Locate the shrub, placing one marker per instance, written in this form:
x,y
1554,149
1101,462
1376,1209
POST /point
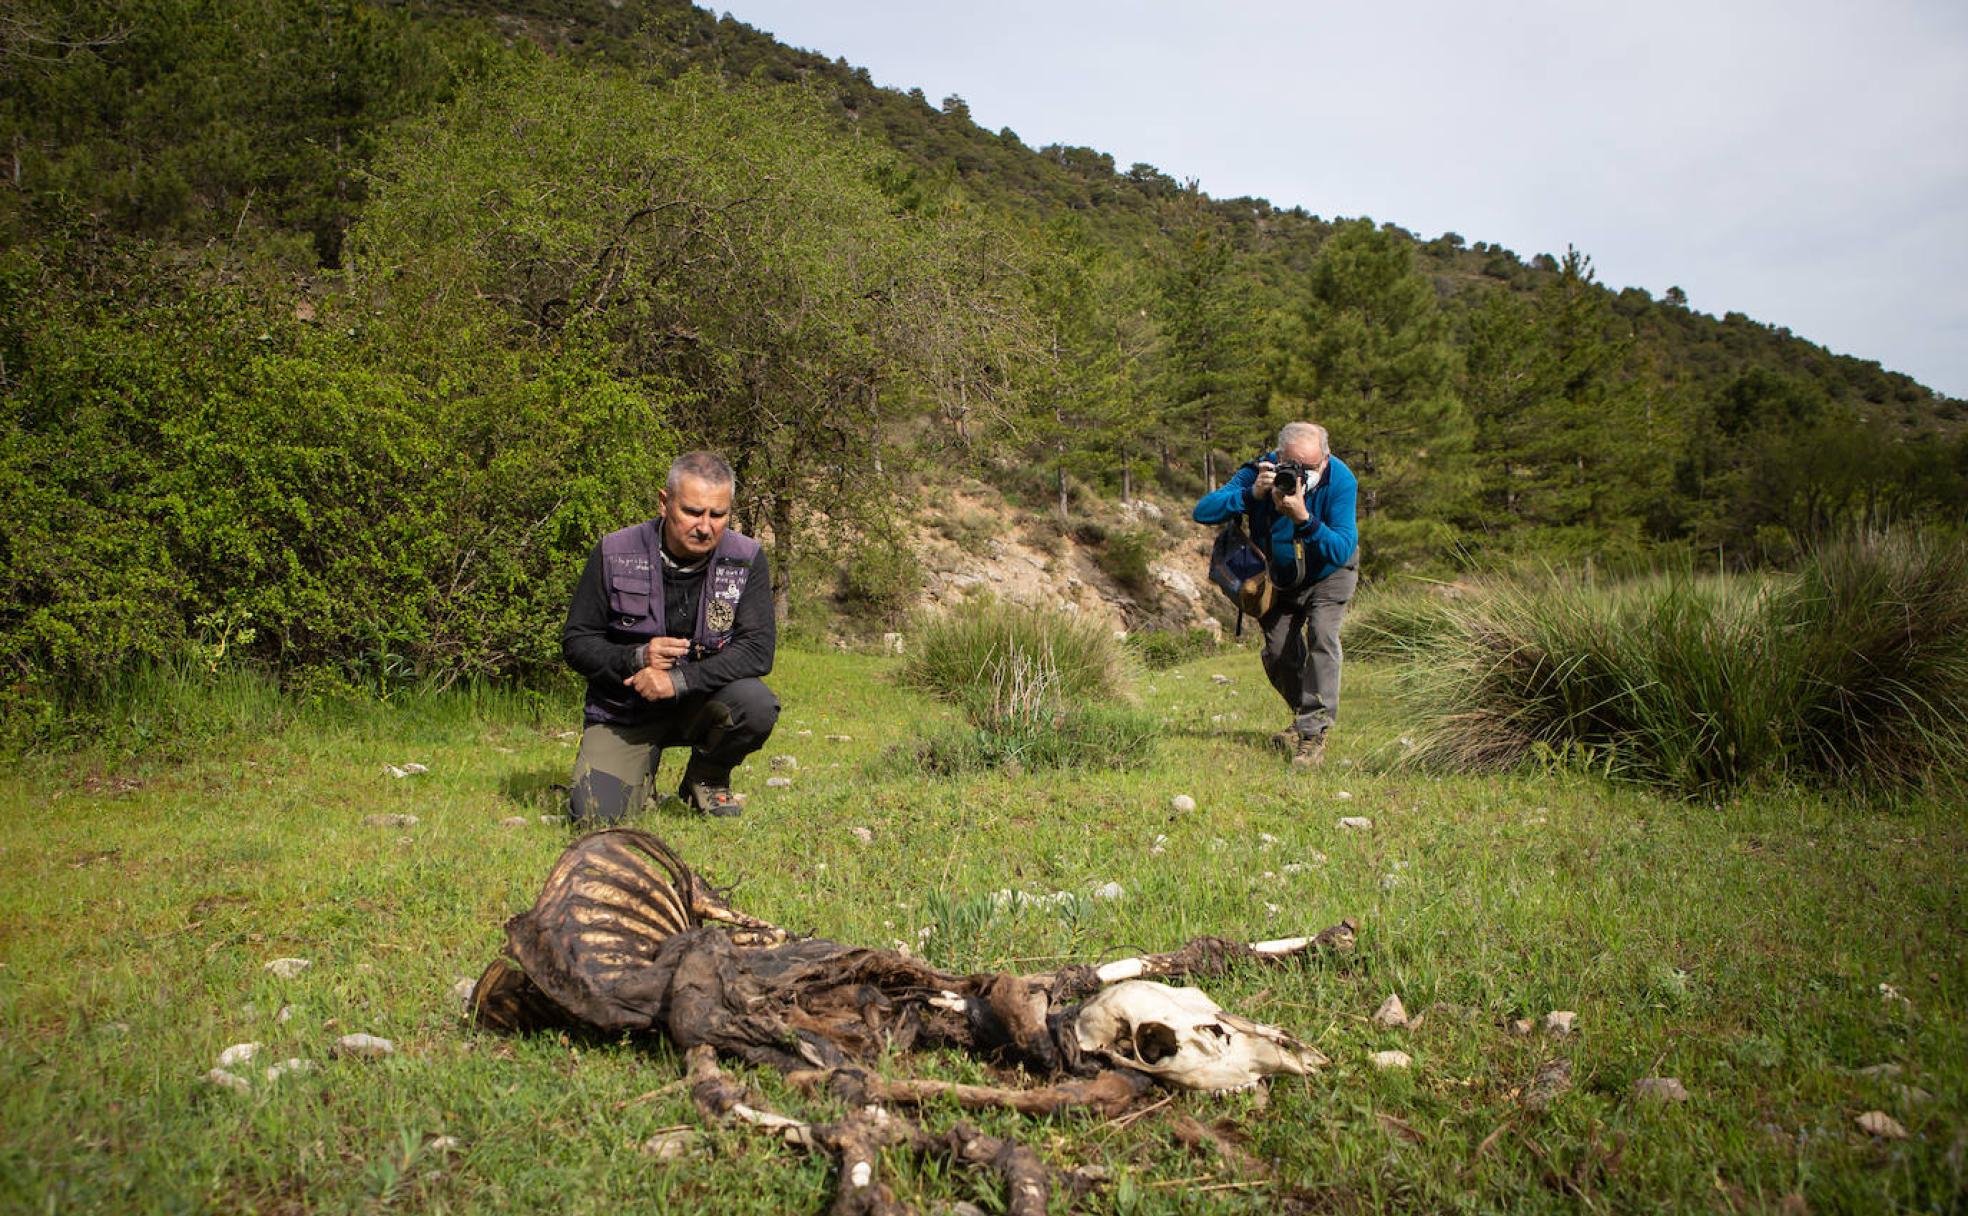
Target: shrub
x,y
1160,649
1855,670
1125,557
881,576
1035,686
987,653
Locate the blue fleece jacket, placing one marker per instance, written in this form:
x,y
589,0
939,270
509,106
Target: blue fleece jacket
x,y
1298,553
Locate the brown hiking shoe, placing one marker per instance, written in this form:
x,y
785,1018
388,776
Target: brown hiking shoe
x,y
1286,740
1310,751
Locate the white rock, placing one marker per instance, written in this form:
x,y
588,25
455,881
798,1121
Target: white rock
x,y
1389,881
1183,803
513,821
1391,1012
553,819
413,769
363,1045
1296,867
1219,679
891,643
1559,1021
445,1144
804,734
291,1064
391,821
1109,890
1344,795
673,1144
1660,1089
1392,1059
1159,847
840,738
1883,1071
1356,821
283,1015
1879,1123
288,968
461,992
238,1054
778,783
789,764
225,1080
864,835
1522,1026
396,772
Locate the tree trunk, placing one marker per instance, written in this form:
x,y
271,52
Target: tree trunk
x,y
782,555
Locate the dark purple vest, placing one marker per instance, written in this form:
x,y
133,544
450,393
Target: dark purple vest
x,y
632,567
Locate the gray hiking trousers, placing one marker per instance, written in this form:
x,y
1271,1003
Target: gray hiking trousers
x,y
615,771
1301,648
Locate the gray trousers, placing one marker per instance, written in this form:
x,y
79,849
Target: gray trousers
x,y
615,771
1301,648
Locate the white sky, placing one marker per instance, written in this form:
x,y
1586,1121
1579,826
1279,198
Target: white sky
x,y
1804,162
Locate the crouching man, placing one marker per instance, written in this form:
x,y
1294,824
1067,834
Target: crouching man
x,y
1299,502
672,625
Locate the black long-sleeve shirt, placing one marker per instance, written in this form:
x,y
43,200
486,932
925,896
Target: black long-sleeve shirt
x,y
586,645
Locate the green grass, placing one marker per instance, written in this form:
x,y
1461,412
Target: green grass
x,y
1740,949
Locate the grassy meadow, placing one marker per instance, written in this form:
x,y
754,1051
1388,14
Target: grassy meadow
x,y
1767,951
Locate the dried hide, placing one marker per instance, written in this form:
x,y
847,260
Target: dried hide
x,y
625,938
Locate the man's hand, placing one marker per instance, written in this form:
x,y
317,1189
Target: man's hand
x,y
662,653
1266,474
653,683
1292,504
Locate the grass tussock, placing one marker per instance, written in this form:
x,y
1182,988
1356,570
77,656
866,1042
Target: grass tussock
x,y
1854,670
1038,689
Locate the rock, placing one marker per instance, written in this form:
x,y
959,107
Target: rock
x,y
225,1080
1296,867
513,821
461,992
414,769
1551,1081
1109,891
673,1144
891,643
568,735
1182,803
778,783
288,968
238,1054
804,734
1391,1013
1343,795
1389,881
864,835
1879,1123
1356,821
396,772
1913,1095
1217,678
367,1045
1159,847
1881,1071
391,821
1392,1059
283,1015
292,1064
785,764
552,819
1521,1026
840,738
1559,1022
445,1144
1660,1089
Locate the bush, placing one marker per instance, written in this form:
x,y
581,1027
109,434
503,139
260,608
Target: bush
x,y
986,655
1160,649
1855,670
882,577
1035,686
1125,557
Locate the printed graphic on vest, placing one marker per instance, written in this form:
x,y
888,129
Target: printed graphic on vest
x,y
727,585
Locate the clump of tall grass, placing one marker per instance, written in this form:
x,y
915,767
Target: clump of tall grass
x,y
1039,689
1855,669
1396,625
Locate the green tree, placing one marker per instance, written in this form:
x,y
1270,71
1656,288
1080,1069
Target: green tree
x,y
1210,374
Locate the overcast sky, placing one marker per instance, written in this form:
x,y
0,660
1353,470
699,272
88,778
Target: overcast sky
x,y
1805,162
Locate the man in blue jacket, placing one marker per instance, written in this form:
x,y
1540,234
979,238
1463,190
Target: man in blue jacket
x,y
1299,501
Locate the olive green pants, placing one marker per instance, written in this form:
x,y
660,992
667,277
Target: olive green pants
x,y
615,771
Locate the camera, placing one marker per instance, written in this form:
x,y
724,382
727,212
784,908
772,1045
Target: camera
x,y
1289,477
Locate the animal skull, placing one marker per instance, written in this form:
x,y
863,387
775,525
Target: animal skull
x,y
1182,1037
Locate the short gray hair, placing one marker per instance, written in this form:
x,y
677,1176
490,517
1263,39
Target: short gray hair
x,y
1293,432
704,466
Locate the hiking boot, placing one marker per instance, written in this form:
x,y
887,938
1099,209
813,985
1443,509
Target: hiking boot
x,y
710,798
1286,740
1310,751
